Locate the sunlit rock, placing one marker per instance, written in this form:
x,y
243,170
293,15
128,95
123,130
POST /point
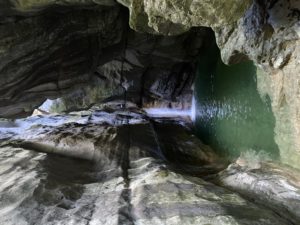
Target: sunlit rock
x,y
273,185
140,171
171,17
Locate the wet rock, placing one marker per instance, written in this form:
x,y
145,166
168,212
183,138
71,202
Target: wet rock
x,y
273,185
129,180
268,34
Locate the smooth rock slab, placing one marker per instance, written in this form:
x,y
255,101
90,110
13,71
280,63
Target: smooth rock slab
x,y
275,186
131,181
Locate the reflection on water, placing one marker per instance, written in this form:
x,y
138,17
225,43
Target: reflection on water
x,y
230,115
166,112
193,109
146,173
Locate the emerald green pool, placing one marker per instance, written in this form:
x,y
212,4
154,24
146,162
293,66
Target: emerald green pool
x,y
230,114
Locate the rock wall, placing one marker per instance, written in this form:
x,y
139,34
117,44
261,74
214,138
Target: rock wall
x,y
171,17
19,7
142,171
47,55
269,35
51,48
266,32
44,54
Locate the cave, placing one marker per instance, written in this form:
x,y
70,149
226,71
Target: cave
x,y
124,112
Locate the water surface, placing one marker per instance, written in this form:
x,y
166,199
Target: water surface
x,y
230,114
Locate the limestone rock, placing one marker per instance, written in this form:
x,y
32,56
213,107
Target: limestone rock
x,y
269,34
276,186
171,17
21,7
58,51
50,54
129,180
156,68
48,48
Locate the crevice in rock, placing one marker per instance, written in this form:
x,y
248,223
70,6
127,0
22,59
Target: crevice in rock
x,y
125,212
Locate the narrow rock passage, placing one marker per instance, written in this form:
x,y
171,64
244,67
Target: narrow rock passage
x,y
132,175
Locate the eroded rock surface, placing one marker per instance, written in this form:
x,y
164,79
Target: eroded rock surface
x,y
50,54
266,32
49,47
171,17
23,7
273,185
58,50
133,176
269,35
43,57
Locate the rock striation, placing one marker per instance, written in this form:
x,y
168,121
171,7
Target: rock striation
x,y
48,54
136,174
273,185
49,47
53,51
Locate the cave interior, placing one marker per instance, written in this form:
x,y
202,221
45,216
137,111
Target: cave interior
x,y
149,112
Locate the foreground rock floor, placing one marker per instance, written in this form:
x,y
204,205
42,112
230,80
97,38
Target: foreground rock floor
x,y
130,169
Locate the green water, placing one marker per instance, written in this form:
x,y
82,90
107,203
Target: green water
x,y
230,115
